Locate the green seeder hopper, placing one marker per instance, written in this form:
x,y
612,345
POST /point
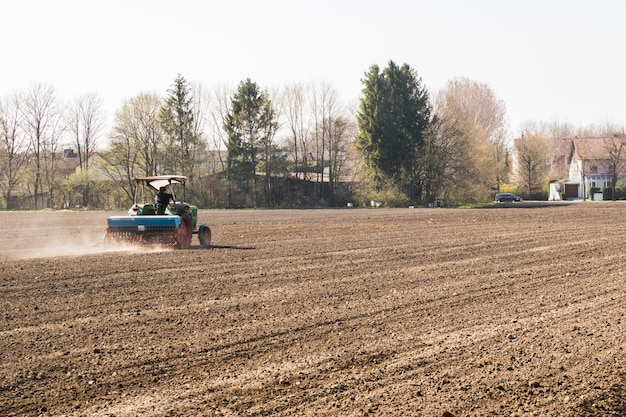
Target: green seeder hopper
x,y
158,221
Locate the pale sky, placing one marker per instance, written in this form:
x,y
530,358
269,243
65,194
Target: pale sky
x,y
547,60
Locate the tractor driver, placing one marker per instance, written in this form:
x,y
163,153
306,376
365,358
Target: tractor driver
x,y
162,199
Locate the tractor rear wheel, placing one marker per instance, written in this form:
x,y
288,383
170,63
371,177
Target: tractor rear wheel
x,y
183,233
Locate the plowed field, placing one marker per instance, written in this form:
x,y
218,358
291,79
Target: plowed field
x,y
510,311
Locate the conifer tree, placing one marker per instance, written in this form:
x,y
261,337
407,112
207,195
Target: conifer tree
x,y
250,125
394,116
177,121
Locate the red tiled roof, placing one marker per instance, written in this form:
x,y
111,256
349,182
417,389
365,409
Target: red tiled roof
x,y
592,148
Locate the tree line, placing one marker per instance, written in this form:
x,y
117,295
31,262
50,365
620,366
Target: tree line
x,y
226,143
298,146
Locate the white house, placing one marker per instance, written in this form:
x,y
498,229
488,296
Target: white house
x,y
587,162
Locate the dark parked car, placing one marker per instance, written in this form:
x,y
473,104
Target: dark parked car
x,y
502,197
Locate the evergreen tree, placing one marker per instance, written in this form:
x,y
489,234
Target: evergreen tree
x,y
394,116
177,121
250,126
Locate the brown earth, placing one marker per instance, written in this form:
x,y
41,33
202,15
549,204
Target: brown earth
x,y
510,311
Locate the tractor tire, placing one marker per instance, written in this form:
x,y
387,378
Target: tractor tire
x,y
183,233
204,235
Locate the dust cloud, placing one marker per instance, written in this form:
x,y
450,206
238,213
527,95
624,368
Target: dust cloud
x,y
83,246
58,233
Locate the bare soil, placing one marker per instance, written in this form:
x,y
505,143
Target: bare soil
x,y
510,311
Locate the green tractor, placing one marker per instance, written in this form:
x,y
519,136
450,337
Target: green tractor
x,y
158,220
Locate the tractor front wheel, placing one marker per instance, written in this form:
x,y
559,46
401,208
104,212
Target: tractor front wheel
x,y
204,235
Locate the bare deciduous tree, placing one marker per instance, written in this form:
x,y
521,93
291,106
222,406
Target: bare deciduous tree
x,y
14,146
218,140
446,162
615,146
330,127
533,161
43,126
319,133
298,126
86,123
135,141
481,111
466,154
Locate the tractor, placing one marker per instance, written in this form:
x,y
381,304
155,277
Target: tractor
x,y
148,223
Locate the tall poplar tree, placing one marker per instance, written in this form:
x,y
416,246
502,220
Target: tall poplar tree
x,y
394,116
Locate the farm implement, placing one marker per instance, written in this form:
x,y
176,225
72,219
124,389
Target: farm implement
x,y
160,220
